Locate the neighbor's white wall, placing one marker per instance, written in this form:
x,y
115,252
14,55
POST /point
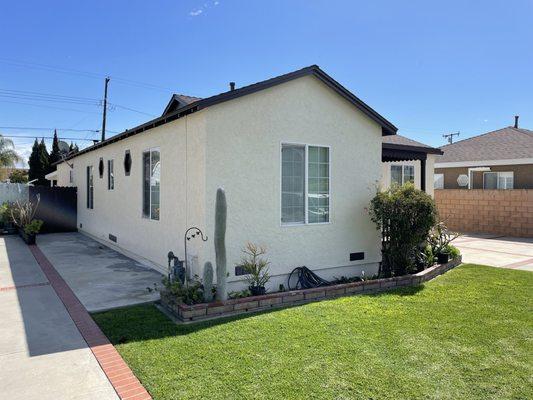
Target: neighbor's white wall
x,y
430,162
243,157
119,211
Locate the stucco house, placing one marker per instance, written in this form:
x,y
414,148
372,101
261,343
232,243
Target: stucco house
x,y
500,159
299,157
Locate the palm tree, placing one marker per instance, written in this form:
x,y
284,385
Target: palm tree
x,y
8,155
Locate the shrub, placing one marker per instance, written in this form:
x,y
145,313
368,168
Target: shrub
x,y
440,237
452,251
405,216
33,227
190,293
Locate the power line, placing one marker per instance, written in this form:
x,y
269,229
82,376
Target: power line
x,y
86,74
45,137
49,107
51,129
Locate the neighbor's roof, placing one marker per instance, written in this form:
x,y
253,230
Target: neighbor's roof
x,y
386,127
399,142
502,144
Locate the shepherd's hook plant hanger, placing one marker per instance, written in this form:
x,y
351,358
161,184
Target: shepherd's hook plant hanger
x,y
196,232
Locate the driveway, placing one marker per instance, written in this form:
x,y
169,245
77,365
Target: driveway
x,y
497,251
100,277
42,354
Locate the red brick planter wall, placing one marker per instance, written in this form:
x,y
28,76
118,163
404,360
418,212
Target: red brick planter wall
x,y
202,311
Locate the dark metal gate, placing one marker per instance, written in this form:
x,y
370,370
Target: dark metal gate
x,y
57,207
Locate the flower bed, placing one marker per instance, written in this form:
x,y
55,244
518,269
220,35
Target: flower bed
x,y
217,309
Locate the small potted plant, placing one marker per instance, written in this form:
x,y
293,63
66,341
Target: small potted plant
x,y
22,215
30,230
256,268
439,239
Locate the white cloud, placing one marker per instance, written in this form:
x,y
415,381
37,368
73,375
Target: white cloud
x,y
195,13
199,11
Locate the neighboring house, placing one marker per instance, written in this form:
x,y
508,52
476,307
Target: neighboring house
x,y
299,157
415,165
501,159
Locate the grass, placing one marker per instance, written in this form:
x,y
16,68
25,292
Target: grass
x,y
465,335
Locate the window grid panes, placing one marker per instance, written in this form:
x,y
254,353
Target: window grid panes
x,y
151,184
90,187
305,184
110,175
401,174
318,185
439,181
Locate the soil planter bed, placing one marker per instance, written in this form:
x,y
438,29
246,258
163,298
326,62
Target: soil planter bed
x,y
29,238
190,313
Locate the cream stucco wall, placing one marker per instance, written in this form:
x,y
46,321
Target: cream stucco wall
x,y
430,163
243,156
236,145
119,211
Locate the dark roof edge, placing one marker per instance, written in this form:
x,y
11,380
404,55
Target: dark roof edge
x,y
387,127
420,149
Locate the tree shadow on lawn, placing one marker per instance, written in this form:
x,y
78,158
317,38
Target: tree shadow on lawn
x,y
148,322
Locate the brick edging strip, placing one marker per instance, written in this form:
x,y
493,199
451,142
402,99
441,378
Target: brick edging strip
x,y
117,371
29,285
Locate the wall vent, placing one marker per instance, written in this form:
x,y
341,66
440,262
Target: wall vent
x,y
113,238
357,256
239,271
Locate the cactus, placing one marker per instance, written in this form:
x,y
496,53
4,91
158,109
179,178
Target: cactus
x,y
220,243
208,282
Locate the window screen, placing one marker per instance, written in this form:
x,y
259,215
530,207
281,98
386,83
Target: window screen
x,y
293,184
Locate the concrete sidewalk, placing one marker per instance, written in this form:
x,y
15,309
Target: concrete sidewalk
x,y
497,251
42,353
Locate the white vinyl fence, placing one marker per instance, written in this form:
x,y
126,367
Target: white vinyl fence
x,y
11,192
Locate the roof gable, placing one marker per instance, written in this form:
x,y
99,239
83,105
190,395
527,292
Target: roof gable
x,y
170,114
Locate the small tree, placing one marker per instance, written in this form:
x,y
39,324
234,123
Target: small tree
x,y
405,216
36,168
18,176
55,154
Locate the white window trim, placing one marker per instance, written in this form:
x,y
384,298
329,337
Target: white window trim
x,y
306,194
403,172
498,179
149,217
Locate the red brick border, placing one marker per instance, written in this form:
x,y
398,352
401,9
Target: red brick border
x,y
117,371
29,285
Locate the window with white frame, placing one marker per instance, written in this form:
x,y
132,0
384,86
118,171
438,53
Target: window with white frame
x,y
305,184
438,181
110,175
151,183
90,187
498,180
401,174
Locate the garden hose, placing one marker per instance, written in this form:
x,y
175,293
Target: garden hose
x,y
307,279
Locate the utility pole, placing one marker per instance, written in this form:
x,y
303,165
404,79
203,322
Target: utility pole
x,y
449,136
105,109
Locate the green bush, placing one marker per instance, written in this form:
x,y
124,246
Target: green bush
x,y
192,293
33,227
452,251
405,216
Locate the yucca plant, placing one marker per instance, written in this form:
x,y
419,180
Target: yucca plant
x,y
256,268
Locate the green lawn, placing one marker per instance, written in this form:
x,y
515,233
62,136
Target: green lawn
x,y
465,335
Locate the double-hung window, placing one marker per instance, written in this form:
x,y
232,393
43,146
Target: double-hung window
x,y
90,187
498,180
151,183
401,174
110,175
305,184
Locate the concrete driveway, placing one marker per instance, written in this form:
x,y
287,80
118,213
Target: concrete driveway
x,y
497,251
100,277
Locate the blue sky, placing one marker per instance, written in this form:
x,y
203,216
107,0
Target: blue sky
x,y
429,67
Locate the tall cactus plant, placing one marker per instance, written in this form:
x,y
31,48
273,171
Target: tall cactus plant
x,y
208,282
220,243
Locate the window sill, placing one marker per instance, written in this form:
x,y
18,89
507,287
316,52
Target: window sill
x,y
290,225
